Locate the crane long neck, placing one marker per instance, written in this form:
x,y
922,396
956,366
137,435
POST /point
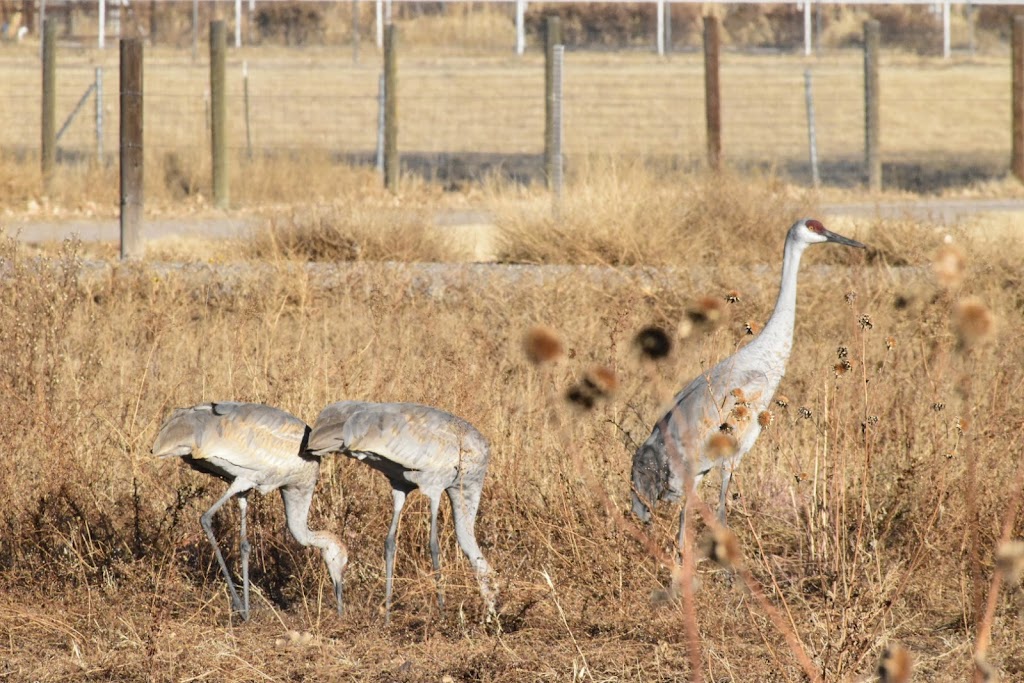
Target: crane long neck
x,y
778,331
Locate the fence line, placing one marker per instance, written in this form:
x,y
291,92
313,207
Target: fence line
x,y
628,107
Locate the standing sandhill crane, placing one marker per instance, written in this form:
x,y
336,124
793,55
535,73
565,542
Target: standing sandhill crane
x,y
725,403
252,446
415,446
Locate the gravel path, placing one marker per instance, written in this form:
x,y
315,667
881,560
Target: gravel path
x,y
942,211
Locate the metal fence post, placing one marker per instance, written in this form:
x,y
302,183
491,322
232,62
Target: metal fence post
x,y
1017,103
872,159
218,113
553,37
812,140
48,151
99,115
391,170
520,26
131,146
245,97
712,93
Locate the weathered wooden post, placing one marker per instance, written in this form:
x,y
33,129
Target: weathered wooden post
x,y
553,36
1017,104
391,170
218,112
712,93
872,128
131,146
48,151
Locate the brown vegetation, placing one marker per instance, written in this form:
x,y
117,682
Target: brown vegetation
x,y
869,513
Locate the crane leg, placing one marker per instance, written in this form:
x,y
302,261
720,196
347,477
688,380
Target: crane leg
x,y
244,548
435,548
398,494
464,507
236,487
727,469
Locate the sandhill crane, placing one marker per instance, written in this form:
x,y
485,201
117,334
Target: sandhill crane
x,y
726,402
415,446
252,446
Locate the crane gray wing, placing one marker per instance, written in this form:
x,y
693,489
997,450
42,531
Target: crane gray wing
x,y
412,436
230,431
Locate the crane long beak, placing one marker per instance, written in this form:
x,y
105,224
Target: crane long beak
x,y
839,239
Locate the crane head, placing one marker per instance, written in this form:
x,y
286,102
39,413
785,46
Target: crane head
x,y
812,231
335,554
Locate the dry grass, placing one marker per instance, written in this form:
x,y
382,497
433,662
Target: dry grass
x,y
851,513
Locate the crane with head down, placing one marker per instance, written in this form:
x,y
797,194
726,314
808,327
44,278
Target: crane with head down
x,y
415,446
717,417
252,446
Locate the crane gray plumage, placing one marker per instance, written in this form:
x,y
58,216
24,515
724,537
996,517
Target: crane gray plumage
x,y
415,446
728,397
252,446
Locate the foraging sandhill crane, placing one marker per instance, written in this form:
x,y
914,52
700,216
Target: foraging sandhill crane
x,y
717,417
415,446
252,446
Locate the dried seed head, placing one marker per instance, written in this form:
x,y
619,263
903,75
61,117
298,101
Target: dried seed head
x,y
938,405
865,322
973,322
850,297
1010,560
721,445
722,547
890,343
895,666
740,412
577,395
751,328
685,328
542,344
732,297
765,418
781,401
598,382
805,413
706,312
738,394
652,342
603,379
842,352
842,367
949,266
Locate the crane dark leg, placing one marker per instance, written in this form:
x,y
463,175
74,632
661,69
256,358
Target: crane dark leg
x,y
464,507
236,487
398,494
435,548
681,540
244,548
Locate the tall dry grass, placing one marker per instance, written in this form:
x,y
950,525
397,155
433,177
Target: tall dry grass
x,y
851,512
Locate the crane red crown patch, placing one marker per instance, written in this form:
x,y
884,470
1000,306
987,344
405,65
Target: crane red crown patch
x,y
816,226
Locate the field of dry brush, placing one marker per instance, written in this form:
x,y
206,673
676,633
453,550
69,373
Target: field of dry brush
x,y
869,515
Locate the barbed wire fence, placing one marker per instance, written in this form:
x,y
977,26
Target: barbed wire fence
x,y
471,110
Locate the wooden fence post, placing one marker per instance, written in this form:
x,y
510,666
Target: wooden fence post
x,y
131,146
872,128
48,151
391,170
218,112
712,93
553,36
1017,105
